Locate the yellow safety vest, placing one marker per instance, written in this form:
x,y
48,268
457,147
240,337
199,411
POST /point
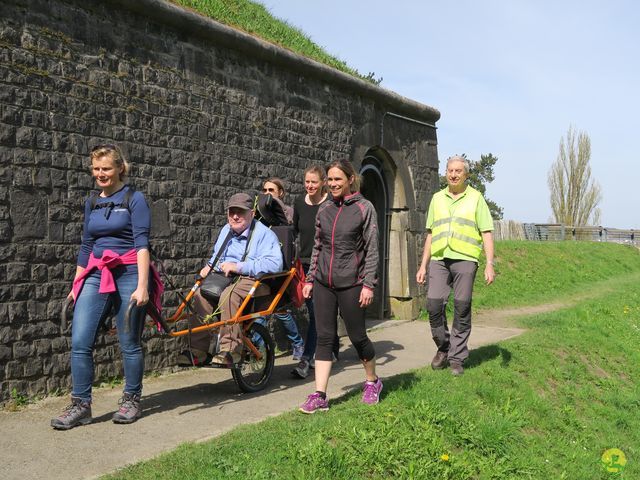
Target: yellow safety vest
x,y
456,228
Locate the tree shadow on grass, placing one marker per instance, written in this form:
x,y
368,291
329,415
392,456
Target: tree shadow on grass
x,y
486,354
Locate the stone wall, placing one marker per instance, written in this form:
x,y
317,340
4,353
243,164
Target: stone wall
x,y
202,111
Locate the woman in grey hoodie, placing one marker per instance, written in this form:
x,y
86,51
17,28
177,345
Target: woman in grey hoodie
x,y
343,275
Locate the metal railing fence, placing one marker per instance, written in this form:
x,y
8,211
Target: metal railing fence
x,y
512,230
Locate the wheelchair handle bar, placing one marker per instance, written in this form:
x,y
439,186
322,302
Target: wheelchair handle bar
x,y
127,316
157,316
65,312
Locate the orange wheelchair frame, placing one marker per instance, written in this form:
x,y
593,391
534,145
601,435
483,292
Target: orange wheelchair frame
x,y
253,372
255,368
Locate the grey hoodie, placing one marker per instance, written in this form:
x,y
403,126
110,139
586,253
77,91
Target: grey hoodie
x,y
345,250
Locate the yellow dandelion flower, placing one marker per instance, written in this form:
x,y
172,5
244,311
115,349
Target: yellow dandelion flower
x,y
444,457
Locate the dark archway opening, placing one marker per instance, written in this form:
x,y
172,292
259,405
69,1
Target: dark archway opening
x,y
374,187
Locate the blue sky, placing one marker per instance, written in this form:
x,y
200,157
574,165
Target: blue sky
x,y
509,78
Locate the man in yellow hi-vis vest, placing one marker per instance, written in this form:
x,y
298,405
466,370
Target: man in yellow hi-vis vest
x,y
458,226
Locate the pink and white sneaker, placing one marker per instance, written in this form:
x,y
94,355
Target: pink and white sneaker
x,y
371,392
315,403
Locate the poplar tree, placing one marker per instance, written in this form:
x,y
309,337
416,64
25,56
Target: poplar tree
x,y
574,194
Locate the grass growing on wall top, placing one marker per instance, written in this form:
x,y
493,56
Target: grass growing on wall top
x,y
254,18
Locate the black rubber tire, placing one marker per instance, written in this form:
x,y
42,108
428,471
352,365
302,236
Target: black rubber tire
x,y
249,374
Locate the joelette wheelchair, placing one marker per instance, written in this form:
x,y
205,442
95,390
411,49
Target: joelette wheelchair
x,y
253,372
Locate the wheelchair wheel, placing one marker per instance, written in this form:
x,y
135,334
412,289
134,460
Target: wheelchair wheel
x,y
252,374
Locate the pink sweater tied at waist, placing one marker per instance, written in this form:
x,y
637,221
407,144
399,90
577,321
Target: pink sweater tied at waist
x,y
106,264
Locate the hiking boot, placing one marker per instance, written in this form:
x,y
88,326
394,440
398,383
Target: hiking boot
x,y
226,359
130,409
439,361
193,358
78,413
456,369
371,392
315,403
302,370
298,351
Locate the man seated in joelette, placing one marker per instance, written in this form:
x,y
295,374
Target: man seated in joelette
x,y
263,255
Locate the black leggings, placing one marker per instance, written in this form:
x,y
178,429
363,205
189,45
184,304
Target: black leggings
x,y
326,302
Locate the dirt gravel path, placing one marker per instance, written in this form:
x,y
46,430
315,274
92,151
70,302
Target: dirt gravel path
x,y
198,404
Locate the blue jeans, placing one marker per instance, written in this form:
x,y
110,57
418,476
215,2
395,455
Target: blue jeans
x,y
90,308
289,325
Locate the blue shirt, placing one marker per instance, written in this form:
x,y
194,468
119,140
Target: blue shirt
x,y
263,256
116,229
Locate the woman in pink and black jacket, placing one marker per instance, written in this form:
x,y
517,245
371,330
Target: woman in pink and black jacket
x,y
343,275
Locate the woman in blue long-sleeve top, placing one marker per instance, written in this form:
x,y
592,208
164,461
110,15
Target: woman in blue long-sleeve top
x,y
112,270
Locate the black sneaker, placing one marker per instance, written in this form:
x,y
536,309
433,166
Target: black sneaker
x,y
78,413
130,409
302,369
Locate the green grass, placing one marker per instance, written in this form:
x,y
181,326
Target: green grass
x,y
543,405
533,273
16,402
538,272
254,18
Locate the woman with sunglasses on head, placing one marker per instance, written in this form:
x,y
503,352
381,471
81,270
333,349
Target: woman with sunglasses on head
x,y
343,275
305,210
275,187
112,271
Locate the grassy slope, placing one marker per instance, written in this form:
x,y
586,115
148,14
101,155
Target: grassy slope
x,y
255,19
543,405
538,272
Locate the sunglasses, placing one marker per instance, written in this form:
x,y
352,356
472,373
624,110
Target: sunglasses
x,y
269,190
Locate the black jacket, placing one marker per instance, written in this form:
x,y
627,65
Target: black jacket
x,y
345,251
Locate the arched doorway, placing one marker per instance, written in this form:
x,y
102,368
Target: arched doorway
x,y
374,187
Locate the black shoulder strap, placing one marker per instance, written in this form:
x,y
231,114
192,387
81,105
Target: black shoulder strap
x,y
93,199
246,248
222,247
128,195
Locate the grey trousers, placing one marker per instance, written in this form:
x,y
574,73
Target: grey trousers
x,y
443,276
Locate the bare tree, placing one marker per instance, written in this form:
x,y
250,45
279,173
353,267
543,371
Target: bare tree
x,y
574,194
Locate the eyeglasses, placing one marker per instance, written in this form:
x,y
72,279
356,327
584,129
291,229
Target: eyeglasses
x,y
105,146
